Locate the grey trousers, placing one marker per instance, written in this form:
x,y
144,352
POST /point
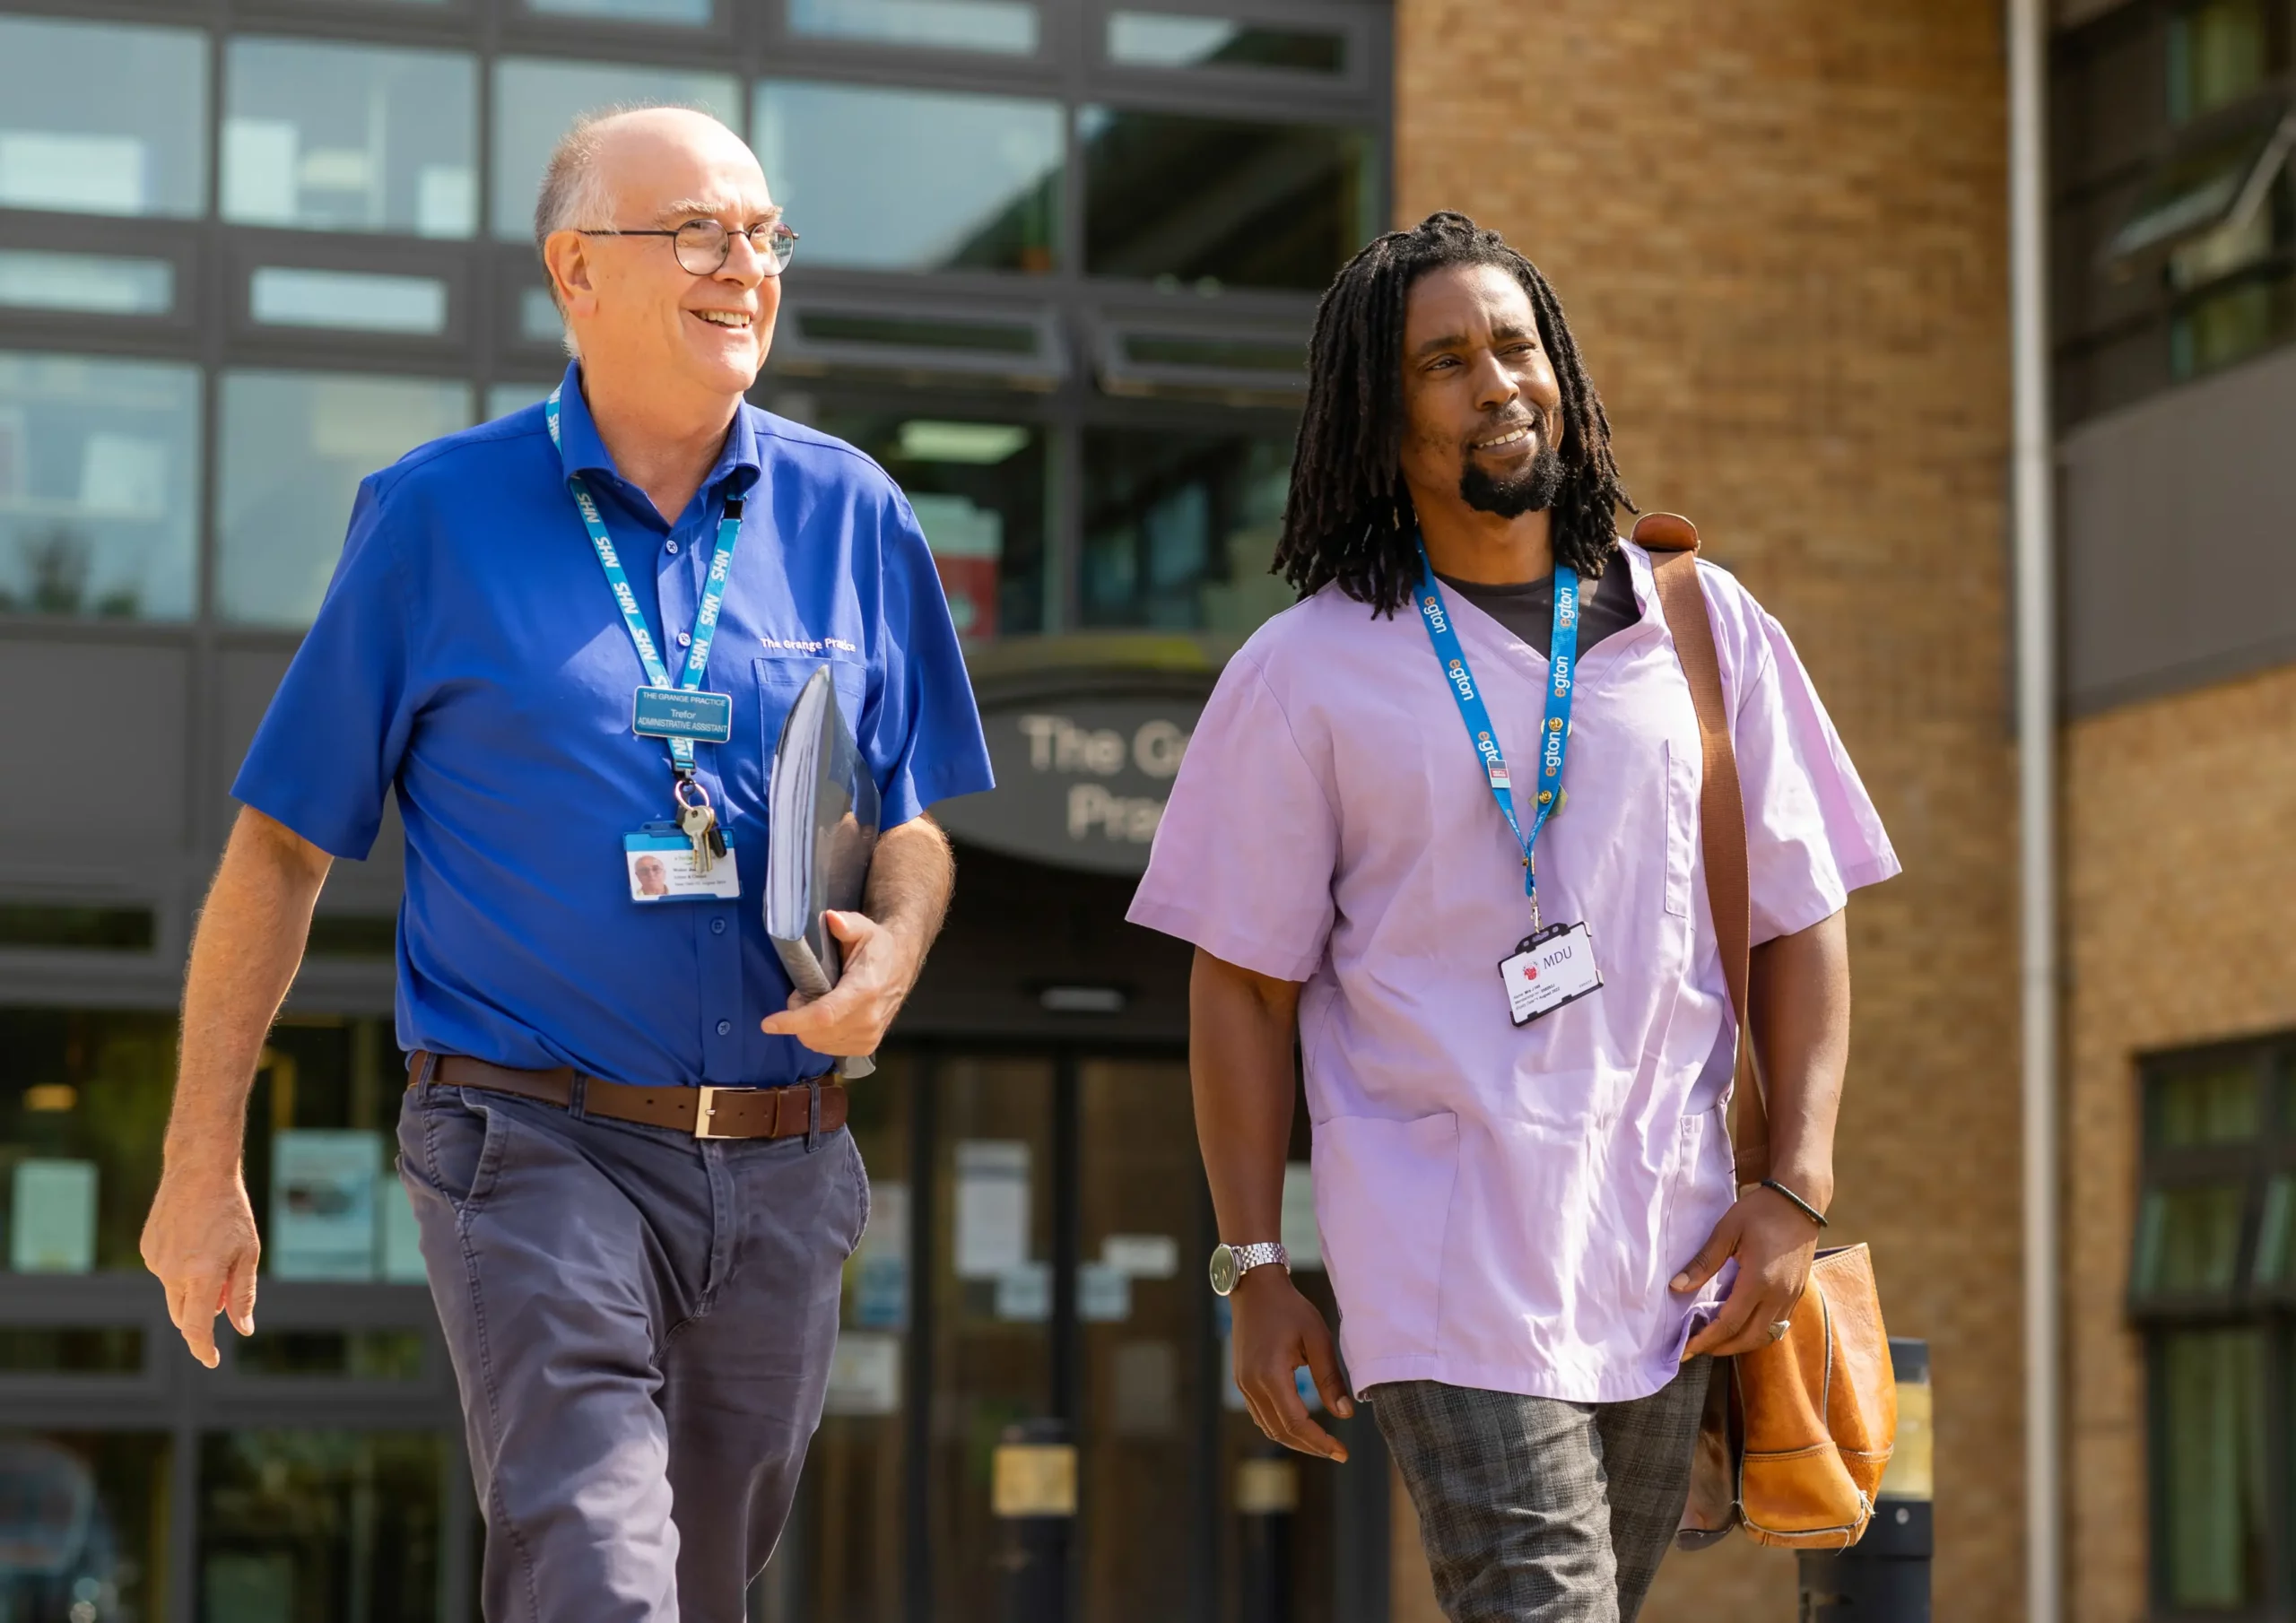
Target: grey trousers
x,y
1533,1510
641,1327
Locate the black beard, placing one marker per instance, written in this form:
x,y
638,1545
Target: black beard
x,y
1531,491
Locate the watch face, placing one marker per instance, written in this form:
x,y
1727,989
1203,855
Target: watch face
x,y
1223,1270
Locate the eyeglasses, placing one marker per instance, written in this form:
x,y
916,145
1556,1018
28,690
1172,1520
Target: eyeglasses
x,y
703,246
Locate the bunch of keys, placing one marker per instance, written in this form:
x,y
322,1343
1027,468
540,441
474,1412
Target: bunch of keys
x,y
698,821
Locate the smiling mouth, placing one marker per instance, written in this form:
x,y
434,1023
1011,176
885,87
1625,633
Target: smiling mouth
x,y
1513,434
736,320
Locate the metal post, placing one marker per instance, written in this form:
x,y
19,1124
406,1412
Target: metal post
x,y
1033,1493
1884,1577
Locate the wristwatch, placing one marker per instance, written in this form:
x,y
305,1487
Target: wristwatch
x,y
1232,1262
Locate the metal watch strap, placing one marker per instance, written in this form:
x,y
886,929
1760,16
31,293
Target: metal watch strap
x,y
1259,1256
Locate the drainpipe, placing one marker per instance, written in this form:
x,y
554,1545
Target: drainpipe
x,y
2033,479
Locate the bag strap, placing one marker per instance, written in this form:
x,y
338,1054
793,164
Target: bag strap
x,y
1671,541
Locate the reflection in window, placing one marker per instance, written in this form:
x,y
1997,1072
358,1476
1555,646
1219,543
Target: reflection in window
x,y
1164,39
295,446
627,11
349,138
99,486
979,491
100,284
970,25
319,1169
351,302
2231,324
913,180
535,102
99,120
1220,201
2188,1240
2204,1105
2218,52
104,1555
84,1103
311,1526
2210,1494
1179,529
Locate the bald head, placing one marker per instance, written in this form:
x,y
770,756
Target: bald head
x,y
606,153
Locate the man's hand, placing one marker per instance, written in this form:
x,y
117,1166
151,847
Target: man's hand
x,y
1775,1243
201,1240
1277,1331
880,967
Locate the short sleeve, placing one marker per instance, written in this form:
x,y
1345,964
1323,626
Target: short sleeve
x,y
924,739
329,746
1244,856
1813,835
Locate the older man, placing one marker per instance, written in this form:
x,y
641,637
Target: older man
x,y
563,638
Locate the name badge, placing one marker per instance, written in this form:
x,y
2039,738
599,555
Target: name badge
x,y
1549,969
660,862
705,718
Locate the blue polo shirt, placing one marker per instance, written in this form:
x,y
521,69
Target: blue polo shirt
x,y
469,654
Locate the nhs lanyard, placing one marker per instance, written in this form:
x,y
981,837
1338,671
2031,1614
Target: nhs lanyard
x,y
1554,739
705,615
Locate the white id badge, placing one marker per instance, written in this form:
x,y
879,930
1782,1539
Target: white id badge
x,y
661,866
1549,969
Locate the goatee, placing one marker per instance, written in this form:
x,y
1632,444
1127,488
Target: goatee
x,y
1512,495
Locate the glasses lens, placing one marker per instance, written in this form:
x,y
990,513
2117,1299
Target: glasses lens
x,y
776,243
702,246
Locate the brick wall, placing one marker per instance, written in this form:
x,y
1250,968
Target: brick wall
x,y
2177,830
1778,226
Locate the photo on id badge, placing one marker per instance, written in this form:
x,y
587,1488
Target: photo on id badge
x,y
663,868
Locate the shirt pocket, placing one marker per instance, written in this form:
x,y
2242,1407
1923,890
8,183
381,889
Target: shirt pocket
x,y
1383,1204
1683,769
779,678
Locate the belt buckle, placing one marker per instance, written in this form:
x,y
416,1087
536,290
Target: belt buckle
x,y
706,1106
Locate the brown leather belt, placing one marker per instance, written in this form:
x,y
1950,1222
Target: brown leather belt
x,y
707,1113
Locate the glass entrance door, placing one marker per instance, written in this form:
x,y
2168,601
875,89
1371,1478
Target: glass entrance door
x,y
1053,1201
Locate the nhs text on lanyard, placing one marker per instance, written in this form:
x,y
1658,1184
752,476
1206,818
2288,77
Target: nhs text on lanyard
x,y
687,859
1554,964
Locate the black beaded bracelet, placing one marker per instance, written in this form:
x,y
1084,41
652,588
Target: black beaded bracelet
x,y
1807,1210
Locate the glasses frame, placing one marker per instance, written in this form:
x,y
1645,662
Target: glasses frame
x,y
779,248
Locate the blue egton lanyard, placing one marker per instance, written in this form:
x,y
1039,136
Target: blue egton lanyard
x,y
705,615
1554,739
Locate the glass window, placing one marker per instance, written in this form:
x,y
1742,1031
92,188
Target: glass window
x,y
295,446
101,284
504,398
313,1526
1223,202
2188,1240
689,12
83,1096
99,120
1181,528
353,1355
2210,1491
913,180
350,138
1164,39
2219,1104
2218,52
967,25
356,301
99,486
319,1153
978,489
87,1525
100,929
536,102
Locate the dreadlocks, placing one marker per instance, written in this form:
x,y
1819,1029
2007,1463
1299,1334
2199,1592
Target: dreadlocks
x,y
1349,519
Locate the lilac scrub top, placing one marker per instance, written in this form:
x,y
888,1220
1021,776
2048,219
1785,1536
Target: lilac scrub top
x,y
1501,1207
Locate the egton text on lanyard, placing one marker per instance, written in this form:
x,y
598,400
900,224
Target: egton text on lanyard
x,y
1555,738
705,616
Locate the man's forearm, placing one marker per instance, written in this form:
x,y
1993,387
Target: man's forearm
x,y
1800,991
1240,1029
911,876
244,954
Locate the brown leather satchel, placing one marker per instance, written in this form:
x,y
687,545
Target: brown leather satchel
x,y
1797,1434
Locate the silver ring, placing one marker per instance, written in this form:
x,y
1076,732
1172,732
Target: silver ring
x,y
1779,1328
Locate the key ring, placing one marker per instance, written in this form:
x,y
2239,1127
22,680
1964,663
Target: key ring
x,y
678,789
